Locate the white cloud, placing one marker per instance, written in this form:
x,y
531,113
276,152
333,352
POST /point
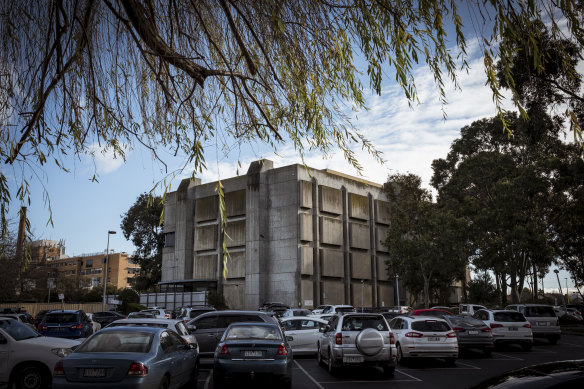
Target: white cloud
x,y
104,158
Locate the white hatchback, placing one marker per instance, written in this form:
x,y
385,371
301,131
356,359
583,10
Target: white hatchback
x,y
507,327
424,336
302,333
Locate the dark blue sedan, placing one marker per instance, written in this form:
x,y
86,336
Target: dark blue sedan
x,y
252,351
129,357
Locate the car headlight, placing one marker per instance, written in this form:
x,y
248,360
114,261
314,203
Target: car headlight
x,y
61,352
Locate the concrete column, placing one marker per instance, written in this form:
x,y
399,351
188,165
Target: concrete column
x,y
185,233
317,292
346,245
373,251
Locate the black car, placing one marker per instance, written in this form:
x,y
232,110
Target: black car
x,y
40,316
105,318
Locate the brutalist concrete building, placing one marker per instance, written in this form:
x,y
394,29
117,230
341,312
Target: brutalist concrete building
x,y
295,235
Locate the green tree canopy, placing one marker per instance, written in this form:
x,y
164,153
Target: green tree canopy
x,y
179,76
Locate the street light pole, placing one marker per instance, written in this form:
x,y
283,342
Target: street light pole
x,y
397,290
567,293
562,293
362,295
105,265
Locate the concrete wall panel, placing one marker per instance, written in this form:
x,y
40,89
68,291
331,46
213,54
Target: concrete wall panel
x,y
206,209
305,221
205,267
330,200
234,293
236,265
331,263
235,203
382,215
361,294
385,295
359,236
306,261
382,268
205,238
170,212
332,292
307,294
331,231
236,234
381,236
358,206
305,194
361,266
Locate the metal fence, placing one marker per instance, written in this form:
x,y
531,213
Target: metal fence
x,y
34,308
172,300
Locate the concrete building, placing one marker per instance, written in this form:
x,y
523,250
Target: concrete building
x,y
300,236
44,250
88,269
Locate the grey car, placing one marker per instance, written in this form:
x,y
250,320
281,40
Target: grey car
x,y
176,325
209,327
543,320
357,339
252,351
471,333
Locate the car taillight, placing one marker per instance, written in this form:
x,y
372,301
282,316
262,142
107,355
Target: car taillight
x,y
451,334
224,350
59,370
76,326
414,335
527,325
486,329
339,338
496,325
282,350
458,329
138,369
391,338
167,316
42,327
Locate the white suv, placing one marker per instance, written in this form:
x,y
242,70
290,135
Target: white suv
x,y
27,357
338,309
357,339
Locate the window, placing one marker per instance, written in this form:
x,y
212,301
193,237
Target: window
x,y
290,325
206,323
89,263
169,239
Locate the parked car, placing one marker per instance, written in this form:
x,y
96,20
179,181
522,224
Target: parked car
x,y
430,312
424,337
390,315
39,317
104,318
176,325
141,314
252,351
573,312
357,339
158,313
560,374
508,327
303,332
72,324
578,307
471,333
189,313
129,357
276,307
470,309
543,319
24,319
323,316
320,309
296,312
209,327
332,309
26,357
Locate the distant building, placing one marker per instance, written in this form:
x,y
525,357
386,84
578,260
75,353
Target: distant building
x,y
300,236
44,250
89,269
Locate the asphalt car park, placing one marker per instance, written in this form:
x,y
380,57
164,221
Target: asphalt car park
x,y
470,369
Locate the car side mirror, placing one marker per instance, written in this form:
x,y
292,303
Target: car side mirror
x,y
191,328
290,338
323,329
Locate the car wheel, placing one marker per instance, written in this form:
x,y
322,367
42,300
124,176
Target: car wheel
x,y
331,367
163,383
450,361
526,346
31,377
319,356
388,370
400,355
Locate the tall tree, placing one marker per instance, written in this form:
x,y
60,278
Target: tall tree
x,y
143,226
173,75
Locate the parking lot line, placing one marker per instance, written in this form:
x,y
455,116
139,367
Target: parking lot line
x,y
208,379
308,375
466,364
507,357
411,376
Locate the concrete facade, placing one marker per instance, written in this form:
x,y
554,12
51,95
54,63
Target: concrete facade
x,y
302,237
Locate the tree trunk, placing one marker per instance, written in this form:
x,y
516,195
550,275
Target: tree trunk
x,y
426,292
503,290
514,294
535,289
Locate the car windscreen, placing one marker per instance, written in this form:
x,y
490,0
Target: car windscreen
x,y
117,342
542,311
466,321
345,309
358,323
430,326
156,325
253,332
508,316
57,318
17,330
304,312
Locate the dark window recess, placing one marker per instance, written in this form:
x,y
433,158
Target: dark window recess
x,y
89,263
169,239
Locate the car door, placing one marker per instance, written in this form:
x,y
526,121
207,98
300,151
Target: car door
x,y
4,356
183,356
206,333
290,331
307,333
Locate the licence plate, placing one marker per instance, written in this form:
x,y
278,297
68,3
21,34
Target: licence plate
x,y
94,373
542,323
58,329
433,339
355,359
513,328
255,354
473,332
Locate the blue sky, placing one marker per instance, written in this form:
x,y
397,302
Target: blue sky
x,y
410,139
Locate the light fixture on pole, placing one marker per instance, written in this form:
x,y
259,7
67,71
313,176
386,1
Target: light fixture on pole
x,y
105,265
